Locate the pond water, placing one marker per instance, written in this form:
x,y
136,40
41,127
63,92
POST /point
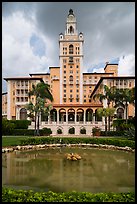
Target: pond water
x,y
99,170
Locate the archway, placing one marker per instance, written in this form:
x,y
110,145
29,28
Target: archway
x,y
80,115
62,115
53,115
89,114
23,114
71,115
97,117
120,113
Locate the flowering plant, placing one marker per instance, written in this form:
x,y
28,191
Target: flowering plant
x,y
96,129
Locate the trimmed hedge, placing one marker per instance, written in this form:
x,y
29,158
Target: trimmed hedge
x,y
30,132
21,124
54,140
112,133
11,195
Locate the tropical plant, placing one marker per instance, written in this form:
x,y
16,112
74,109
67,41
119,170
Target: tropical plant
x,y
130,133
96,130
106,112
108,95
123,97
59,131
41,93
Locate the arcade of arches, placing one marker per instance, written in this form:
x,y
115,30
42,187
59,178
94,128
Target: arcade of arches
x,y
72,115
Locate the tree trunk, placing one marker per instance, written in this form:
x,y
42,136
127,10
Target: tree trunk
x,y
38,125
105,123
108,123
35,131
126,111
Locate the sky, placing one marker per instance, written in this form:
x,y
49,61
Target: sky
x,y
30,34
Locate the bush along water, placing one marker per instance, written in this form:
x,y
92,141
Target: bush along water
x,y
54,140
10,195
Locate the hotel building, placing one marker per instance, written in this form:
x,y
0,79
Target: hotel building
x,y
72,90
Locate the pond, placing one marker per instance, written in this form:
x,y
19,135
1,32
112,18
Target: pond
x,y
99,170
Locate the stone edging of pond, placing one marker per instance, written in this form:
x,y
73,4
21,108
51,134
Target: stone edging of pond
x,y
42,146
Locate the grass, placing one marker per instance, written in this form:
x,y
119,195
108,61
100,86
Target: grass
x,y
12,140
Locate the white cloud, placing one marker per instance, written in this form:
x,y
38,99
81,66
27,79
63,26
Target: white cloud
x,y
126,65
98,70
18,58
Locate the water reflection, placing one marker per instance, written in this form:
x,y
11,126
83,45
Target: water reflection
x,y
97,171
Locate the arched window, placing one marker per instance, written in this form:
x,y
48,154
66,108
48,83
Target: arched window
x,y
23,114
71,29
53,115
70,78
120,113
70,49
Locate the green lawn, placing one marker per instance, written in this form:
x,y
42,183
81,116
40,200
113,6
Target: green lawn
x,y
12,140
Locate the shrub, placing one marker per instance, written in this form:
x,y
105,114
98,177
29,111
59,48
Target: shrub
x,y
11,195
23,132
130,133
72,130
112,133
59,131
82,131
21,124
7,127
96,130
45,131
70,140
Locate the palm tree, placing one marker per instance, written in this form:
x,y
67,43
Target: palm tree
x,y
41,93
109,94
106,112
123,97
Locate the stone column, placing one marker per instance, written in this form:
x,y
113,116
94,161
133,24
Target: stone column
x,y
75,117
66,116
57,116
84,117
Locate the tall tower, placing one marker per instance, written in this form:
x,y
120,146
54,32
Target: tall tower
x,y
71,63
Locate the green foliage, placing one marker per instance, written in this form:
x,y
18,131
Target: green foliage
x,y
121,125
7,127
10,195
112,133
68,140
21,124
95,129
45,131
130,133
23,132
82,131
59,131
72,130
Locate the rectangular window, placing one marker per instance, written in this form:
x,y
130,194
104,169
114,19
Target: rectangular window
x,y
64,60
77,66
77,99
71,100
64,85
64,66
77,90
84,100
64,90
71,90
64,95
71,66
84,96
64,99
89,100
64,71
